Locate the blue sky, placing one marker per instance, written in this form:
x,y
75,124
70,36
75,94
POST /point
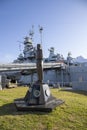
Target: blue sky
x,y
64,23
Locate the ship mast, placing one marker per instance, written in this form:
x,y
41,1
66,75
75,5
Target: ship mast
x,y
31,33
40,30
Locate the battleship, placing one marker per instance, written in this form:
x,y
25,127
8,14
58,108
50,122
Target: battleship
x,y
52,76
57,71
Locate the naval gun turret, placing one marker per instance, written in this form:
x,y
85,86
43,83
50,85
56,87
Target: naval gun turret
x,y
38,97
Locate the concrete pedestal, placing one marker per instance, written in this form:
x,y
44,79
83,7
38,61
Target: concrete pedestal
x,y
38,98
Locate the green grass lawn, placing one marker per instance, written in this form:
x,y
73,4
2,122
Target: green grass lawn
x,y
72,115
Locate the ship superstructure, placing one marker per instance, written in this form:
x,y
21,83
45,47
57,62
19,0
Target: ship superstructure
x,y
28,54
29,51
54,57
